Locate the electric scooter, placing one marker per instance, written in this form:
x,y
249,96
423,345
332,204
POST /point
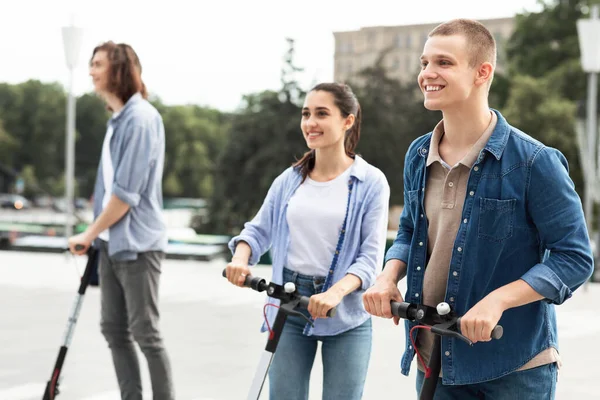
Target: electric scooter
x,y
291,302
442,321
53,384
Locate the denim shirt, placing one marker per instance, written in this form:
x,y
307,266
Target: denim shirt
x,y
361,253
137,150
522,219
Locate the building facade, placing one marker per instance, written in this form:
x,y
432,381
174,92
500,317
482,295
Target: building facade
x,y
357,50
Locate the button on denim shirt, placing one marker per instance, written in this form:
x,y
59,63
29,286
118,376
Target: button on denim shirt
x,y
137,150
361,253
522,219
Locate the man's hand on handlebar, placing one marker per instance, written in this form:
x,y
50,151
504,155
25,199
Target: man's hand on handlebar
x,y
477,324
378,297
79,244
237,271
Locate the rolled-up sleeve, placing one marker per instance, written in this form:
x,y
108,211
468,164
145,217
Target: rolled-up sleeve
x,y
557,213
373,235
133,169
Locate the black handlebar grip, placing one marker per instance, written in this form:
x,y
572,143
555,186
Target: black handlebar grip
x,y
397,309
246,282
304,304
497,332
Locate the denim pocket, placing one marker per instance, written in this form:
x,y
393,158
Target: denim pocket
x,y
496,219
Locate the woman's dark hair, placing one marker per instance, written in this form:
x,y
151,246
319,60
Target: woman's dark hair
x,y
125,70
346,101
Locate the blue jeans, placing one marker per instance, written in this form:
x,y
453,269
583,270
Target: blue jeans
x,y
532,384
345,356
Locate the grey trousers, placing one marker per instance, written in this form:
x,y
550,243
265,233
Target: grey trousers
x,y
129,311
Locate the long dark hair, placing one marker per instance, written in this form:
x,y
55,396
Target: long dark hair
x,y
125,70
346,101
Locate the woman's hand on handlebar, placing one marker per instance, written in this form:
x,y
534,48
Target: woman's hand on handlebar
x,y
378,297
321,303
237,270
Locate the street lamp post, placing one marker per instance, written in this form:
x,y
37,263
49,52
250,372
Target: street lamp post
x,y
588,31
71,41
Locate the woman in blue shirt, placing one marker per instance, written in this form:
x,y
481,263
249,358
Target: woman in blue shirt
x,y
325,221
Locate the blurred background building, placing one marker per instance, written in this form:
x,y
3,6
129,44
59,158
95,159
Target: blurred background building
x,y
356,50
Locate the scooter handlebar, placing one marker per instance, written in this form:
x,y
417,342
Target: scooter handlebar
x,y
497,332
259,284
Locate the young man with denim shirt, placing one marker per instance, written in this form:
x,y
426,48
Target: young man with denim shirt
x,y
492,225
128,229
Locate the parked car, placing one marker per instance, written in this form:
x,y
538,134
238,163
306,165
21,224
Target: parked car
x,y
14,201
60,204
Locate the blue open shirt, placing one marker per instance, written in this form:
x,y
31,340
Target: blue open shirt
x,y
361,253
137,150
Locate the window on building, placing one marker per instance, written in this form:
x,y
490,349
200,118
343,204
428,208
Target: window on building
x,y
372,38
412,64
399,40
345,47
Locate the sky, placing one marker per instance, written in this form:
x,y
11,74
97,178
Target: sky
x,y
208,53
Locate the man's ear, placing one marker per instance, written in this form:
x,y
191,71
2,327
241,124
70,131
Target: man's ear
x,y
485,73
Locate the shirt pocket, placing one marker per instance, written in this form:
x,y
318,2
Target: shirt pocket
x,y
496,219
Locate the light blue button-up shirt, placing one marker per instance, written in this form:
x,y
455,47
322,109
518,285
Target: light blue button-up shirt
x,y
361,253
137,150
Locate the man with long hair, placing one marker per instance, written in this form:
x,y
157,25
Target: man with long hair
x,y
128,227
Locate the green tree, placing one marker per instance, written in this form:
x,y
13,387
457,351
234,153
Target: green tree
x,y
34,114
499,91
264,139
546,78
546,39
548,118
195,137
393,116
8,145
31,184
91,118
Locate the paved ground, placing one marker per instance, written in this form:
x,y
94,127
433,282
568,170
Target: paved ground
x,y
211,330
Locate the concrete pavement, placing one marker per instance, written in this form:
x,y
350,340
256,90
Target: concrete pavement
x,y
211,330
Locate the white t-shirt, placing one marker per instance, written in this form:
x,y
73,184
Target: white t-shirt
x,y
315,216
108,172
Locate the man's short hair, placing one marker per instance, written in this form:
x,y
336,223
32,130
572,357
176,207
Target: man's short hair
x,y
481,45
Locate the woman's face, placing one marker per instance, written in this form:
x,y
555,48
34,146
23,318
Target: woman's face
x,y
323,124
